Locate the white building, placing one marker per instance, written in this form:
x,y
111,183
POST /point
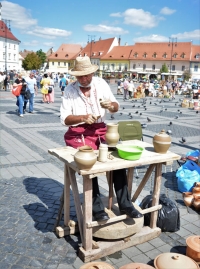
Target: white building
x,y
9,48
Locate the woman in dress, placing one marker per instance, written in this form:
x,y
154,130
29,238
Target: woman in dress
x,y
50,95
45,82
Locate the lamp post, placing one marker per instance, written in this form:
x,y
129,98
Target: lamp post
x,y
91,38
172,43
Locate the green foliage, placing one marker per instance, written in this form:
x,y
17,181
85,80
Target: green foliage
x,y
186,75
164,69
41,55
31,62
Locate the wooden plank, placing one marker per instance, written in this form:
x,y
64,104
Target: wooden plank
x,y
130,179
143,182
108,247
110,182
66,196
87,212
77,201
61,232
156,194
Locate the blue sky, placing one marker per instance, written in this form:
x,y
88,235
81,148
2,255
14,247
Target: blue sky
x,y
44,24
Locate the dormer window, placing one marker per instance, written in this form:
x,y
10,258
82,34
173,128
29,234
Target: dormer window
x,y
100,53
175,55
93,54
135,55
85,54
56,54
110,56
165,55
122,56
145,55
154,55
66,55
183,55
197,56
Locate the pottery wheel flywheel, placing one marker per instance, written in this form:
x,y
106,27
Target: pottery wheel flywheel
x,y
121,229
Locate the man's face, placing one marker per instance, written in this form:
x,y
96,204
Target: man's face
x,y
85,80
32,75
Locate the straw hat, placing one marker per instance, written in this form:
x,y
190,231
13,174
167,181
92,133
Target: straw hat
x,y
83,67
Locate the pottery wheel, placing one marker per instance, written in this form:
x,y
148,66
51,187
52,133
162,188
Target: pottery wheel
x,y
118,230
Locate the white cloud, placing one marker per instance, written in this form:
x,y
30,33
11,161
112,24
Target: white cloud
x,y
118,14
48,44
104,29
193,35
151,38
167,11
139,17
49,33
19,16
32,43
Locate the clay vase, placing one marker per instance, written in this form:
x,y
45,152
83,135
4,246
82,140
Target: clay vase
x,y
112,135
161,142
196,202
85,158
188,198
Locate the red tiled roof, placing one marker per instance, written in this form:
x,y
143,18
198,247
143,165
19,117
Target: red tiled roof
x,y
6,33
119,53
96,49
195,51
65,51
24,53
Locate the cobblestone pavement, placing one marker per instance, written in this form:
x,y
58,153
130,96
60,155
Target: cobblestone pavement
x,y
31,182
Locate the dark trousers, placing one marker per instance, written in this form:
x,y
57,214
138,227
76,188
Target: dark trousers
x,y
121,190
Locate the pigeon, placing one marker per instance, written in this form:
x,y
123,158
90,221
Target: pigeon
x,y
175,104
145,108
150,103
138,106
144,125
197,112
112,117
170,123
120,114
129,113
131,117
169,132
140,114
133,106
136,112
183,140
161,110
148,119
176,117
123,107
180,112
155,104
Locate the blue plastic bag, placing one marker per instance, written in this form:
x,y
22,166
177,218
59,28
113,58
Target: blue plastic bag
x,y
187,175
194,153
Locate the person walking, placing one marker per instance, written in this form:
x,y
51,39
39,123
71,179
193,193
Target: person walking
x,y
20,99
32,87
79,110
125,86
38,78
63,83
50,95
45,82
131,88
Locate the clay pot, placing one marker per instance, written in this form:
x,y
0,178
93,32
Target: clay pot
x,y
85,158
188,198
193,247
112,135
161,142
196,190
197,184
97,265
196,202
136,266
175,261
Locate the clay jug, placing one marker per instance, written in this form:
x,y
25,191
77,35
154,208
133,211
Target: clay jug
x,y
85,158
188,198
112,135
196,202
161,142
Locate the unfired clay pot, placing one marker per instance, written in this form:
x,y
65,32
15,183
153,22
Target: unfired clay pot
x,y
136,266
188,198
85,158
112,135
97,265
193,247
161,142
196,190
196,202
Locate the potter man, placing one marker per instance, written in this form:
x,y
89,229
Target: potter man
x,y
80,109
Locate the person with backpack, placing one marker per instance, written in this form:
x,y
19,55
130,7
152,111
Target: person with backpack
x,y
63,83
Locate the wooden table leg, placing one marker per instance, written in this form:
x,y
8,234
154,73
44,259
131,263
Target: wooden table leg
x,y
143,182
77,201
87,212
109,176
156,194
130,179
66,196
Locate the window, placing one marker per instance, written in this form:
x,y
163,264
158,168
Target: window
x,y
64,63
52,63
112,67
9,45
183,67
4,55
183,55
175,55
197,56
145,55
103,66
135,55
196,68
173,67
14,47
153,67
9,54
134,66
68,64
165,55
120,67
58,63
154,55
14,57
144,66
126,67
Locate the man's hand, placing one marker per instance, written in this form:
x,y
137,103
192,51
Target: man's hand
x,y
105,104
89,119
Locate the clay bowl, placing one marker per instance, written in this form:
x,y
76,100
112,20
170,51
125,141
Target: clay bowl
x,y
193,247
97,265
136,266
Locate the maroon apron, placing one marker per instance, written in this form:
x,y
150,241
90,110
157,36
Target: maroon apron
x,y
91,133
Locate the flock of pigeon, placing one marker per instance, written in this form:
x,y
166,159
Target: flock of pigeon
x,y
143,104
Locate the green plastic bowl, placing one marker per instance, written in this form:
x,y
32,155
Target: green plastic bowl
x,y
129,152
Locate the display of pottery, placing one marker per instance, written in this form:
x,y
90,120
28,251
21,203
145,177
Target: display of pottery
x,y
175,261
161,142
188,198
196,202
112,135
97,265
193,247
136,266
196,189
85,158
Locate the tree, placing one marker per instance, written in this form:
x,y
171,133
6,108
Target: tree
x,y
186,75
31,62
164,69
41,55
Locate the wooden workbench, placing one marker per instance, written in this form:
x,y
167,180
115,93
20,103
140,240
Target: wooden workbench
x,y
90,249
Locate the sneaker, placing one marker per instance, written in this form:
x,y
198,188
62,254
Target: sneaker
x,y
24,111
30,112
21,115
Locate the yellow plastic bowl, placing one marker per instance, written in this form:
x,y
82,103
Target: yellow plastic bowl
x,y
129,152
